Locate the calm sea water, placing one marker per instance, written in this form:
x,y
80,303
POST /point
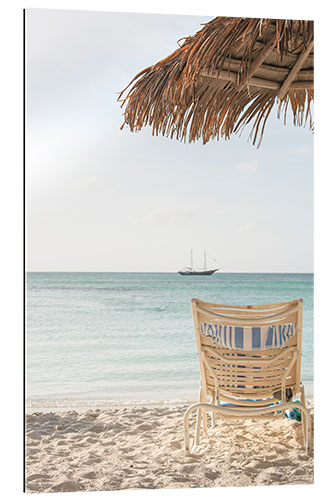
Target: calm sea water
x,y
129,336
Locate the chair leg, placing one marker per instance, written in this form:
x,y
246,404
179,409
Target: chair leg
x,y
303,403
196,440
306,425
306,432
200,411
201,398
186,432
204,413
197,428
213,419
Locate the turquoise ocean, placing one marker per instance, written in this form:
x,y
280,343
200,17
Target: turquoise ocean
x,y
128,337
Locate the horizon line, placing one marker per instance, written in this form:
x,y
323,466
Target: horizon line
x,y
173,272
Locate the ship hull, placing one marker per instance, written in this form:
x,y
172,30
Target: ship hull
x,y
198,273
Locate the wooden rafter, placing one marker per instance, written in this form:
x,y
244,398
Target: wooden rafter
x,y
295,69
264,53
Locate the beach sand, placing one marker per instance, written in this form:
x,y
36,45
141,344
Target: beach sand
x,y
140,447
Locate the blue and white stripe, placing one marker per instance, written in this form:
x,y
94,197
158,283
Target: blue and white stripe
x,y
249,338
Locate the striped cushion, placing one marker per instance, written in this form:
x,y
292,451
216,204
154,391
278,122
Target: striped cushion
x,y
249,338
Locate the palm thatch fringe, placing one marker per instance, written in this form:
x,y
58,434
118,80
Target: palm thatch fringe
x,y
227,75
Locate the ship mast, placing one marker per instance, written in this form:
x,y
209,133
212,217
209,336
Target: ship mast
x,y
205,265
192,260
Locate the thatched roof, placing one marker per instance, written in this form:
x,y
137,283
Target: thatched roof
x,y
228,74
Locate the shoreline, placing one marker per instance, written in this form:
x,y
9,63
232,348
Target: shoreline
x,y
102,405
80,405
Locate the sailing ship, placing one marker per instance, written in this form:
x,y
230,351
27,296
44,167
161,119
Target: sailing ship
x,y
190,271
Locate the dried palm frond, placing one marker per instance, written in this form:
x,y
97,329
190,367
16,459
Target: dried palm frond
x,y
228,74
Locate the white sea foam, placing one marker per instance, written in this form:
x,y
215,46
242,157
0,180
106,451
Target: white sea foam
x,y
35,406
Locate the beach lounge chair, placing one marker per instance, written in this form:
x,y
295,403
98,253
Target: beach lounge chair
x,y
250,363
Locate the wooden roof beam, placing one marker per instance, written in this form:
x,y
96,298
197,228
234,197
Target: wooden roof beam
x,y
229,76
230,61
290,55
233,77
257,62
295,69
301,85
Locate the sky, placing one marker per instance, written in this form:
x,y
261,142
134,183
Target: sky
x,y
103,199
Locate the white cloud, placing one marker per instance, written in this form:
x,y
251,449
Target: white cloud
x,y
83,184
170,216
247,167
304,149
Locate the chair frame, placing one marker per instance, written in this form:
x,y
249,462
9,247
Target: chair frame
x,y
280,368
